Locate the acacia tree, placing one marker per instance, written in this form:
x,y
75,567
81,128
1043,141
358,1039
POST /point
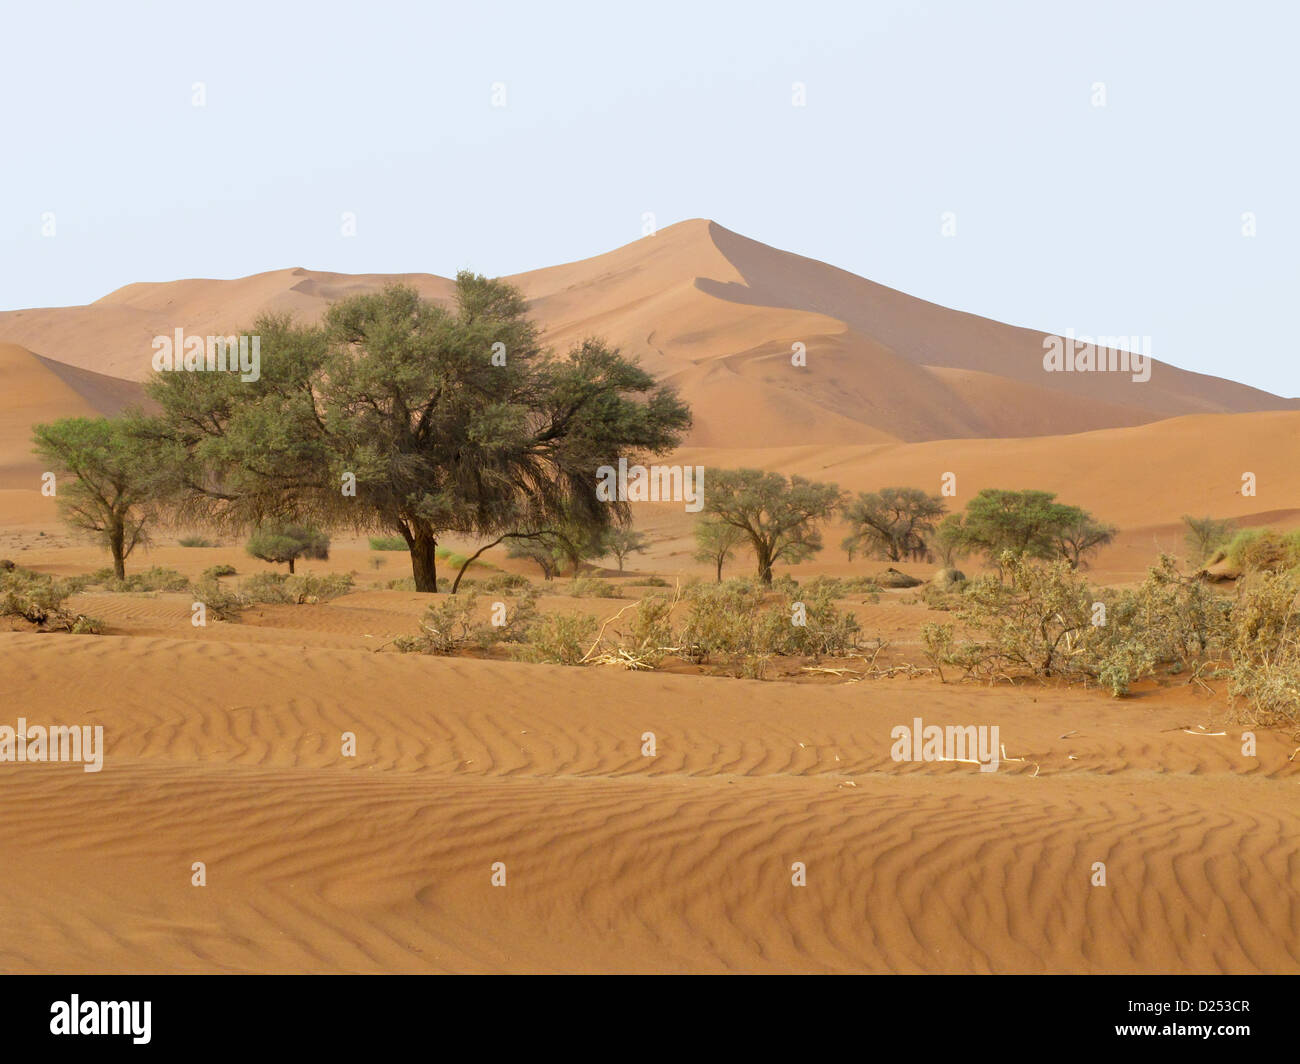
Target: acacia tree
x,y
623,542
398,414
779,517
105,480
716,542
287,543
1030,524
1079,534
891,523
1205,534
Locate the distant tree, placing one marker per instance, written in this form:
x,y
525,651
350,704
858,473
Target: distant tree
x,y
1205,535
779,517
287,543
948,541
891,523
623,542
716,542
539,551
105,481
1079,533
1030,524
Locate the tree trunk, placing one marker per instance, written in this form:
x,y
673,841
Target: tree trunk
x,y
117,544
291,567
765,566
719,570
424,560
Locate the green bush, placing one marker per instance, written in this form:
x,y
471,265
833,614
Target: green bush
x,y
1264,550
387,543
152,579
559,639
592,587
219,570
196,541
450,625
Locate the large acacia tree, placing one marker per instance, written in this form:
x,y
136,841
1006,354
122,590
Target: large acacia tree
x,y
399,414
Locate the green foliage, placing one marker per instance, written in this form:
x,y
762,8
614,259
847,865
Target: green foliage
x,y
219,570
779,517
271,588
154,578
39,599
196,541
1264,550
387,543
1205,535
716,542
892,523
107,477
735,619
220,602
1029,524
281,543
592,587
559,639
404,394
1265,649
451,625
622,542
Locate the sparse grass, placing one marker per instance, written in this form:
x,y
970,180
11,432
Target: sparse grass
x,y
197,541
151,579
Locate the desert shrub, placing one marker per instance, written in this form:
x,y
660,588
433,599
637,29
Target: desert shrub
x,y
1264,651
216,571
1034,622
151,579
267,588
1264,550
278,588
387,543
450,625
1205,535
312,588
36,597
219,601
1047,622
735,618
559,638
584,586
650,581
196,541
84,625
503,582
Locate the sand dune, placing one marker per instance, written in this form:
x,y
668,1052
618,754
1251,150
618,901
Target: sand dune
x,y
615,861
719,315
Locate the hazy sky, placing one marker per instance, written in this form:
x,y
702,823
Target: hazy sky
x,y
1117,220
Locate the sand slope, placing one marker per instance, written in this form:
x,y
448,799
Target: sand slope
x,y
718,315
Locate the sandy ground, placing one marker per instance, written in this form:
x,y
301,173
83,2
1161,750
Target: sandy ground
x,y
224,745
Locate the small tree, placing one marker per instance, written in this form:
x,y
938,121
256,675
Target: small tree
x,y
287,543
112,493
623,542
716,543
779,517
1080,534
1205,535
891,523
948,541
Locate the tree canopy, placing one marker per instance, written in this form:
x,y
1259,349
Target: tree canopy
x,y
401,415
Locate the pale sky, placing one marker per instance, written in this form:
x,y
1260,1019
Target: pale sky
x,y
1124,219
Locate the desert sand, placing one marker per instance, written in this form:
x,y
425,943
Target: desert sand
x,y
224,743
